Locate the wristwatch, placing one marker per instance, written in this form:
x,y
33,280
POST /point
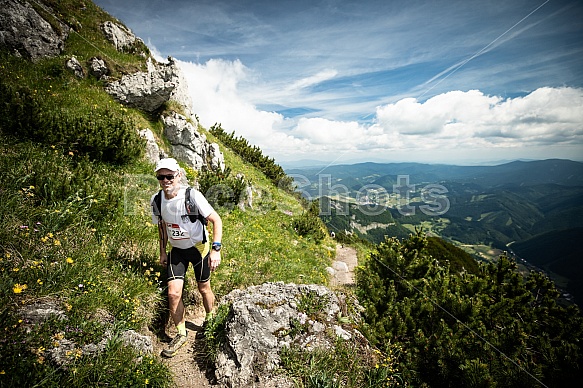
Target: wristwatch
x,y
216,246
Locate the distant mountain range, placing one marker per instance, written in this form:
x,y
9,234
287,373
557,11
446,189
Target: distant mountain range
x,y
528,204
517,173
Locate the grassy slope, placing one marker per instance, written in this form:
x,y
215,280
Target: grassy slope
x,y
76,230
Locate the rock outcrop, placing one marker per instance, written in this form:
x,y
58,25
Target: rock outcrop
x,y
146,90
26,33
264,319
153,152
98,68
73,65
191,146
121,37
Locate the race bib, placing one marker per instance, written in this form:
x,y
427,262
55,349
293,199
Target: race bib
x,y
175,232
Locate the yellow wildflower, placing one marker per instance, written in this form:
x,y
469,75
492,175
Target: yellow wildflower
x,y
18,288
69,260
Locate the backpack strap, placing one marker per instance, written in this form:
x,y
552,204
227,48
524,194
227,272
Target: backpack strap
x,y
157,205
193,213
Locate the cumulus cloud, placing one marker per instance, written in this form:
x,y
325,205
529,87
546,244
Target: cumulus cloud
x,y
448,123
216,99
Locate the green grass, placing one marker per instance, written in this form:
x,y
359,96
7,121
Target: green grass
x,y
347,364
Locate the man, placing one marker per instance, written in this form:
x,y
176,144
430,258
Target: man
x,y
189,242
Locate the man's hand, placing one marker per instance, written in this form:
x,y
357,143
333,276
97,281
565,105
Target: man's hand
x,y
214,259
163,258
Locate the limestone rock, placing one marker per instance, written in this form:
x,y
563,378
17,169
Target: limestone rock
x,y
37,313
191,146
146,90
26,33
263,319
65,351
73,65
181,93
98,68
152,149
142,343
121,37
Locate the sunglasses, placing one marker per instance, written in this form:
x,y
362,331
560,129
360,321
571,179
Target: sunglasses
x,y
168,177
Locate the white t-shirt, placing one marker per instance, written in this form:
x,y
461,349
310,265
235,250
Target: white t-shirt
x,y
183,233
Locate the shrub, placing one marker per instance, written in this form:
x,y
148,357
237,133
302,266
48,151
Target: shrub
x,y
100,133
221,189
254,156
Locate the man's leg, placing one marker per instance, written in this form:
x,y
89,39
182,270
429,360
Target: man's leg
x,y
175,301
208,297
176,308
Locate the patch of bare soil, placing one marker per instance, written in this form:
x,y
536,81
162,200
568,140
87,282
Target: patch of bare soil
x,y
189,366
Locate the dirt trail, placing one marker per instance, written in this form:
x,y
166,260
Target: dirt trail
x,y
189,367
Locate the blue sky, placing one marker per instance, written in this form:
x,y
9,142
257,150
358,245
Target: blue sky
x,y
461,82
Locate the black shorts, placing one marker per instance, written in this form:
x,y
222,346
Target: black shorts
x,y
178,260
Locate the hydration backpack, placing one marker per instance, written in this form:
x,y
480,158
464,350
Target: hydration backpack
x,y
189,204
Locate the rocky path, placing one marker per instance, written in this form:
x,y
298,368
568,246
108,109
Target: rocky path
x,y
189,366
343,266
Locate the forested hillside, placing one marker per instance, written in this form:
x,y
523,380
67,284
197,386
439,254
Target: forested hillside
x,y
486,206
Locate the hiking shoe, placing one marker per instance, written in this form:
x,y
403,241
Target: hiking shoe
x,y
176,343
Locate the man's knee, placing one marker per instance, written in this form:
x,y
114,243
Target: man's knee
x,y
174,291
205,288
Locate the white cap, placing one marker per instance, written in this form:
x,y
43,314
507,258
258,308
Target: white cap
x,y
168,163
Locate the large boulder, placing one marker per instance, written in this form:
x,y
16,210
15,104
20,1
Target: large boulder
x,y
98,68
26,33
147,90
191,146
264,319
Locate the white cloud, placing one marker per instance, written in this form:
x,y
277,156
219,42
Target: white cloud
x,y
323,75
448,125
213,87
457,119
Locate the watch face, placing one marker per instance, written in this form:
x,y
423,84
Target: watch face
x,y
216,248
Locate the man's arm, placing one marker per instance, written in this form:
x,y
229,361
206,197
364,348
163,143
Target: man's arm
x,y
217,226
215,256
